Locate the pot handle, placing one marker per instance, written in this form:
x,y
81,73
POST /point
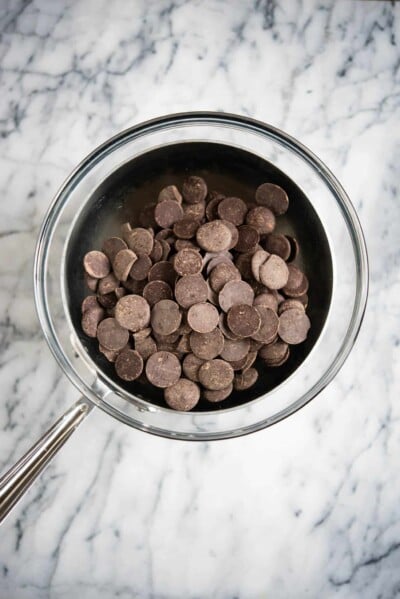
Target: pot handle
x,y
18,479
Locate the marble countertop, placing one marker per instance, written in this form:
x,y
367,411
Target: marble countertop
x,y
307,508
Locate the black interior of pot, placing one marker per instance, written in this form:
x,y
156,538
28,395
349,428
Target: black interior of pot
x,y
233,172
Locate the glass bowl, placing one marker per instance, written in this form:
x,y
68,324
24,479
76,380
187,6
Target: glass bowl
x,y
80,213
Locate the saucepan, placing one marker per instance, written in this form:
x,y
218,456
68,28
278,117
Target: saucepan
x,y
108,187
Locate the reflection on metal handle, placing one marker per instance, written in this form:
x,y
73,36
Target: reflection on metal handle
x,y
19,477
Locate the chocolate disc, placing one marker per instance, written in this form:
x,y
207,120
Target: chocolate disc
x,y
165,317
156,291
262,219
273,352
293,326
140,241
167,213
157,251
257,260
232,209
186,228
222,273
191,365
90,302
212,207
245,380
132,312
194,190
216,374
146,347
188,262
123,262
191,289
112,246
235,350
171,192
235,292
96,264
203,317
274,272
248,239
243,320
140,268
290,303
108,284
214,236
111,335
269,325
183,395
91,319
278,244
207,345
273,197
163,369
195,212
163,271
216,396
129,365
266,299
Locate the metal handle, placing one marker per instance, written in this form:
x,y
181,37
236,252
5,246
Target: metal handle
x,y
18,479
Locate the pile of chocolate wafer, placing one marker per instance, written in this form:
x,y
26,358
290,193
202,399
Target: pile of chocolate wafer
x,y
199,295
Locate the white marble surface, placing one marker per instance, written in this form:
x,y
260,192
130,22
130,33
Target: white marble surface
x,y
309,508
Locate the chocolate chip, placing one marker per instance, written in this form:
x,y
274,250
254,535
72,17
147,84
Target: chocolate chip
x,y
232,209
129,365
214,236
169,339
183,395
221,274
202,317
165,317
215,374
218,260
195,212
262,219
156,291
170,192
89,303
245,380
163,369
289,304
235,350
96,264
163,271
194,190
191,365
243,320
274,272
191,289
142,334
188,262
123,262
266,299
273,353
249,360
146,347
235,292
293,326
278,244
108,284
141,268
133,286
248,239
297,283
186,228
112,246
132,312
257,259
107,300
167,213
269,325
111,335
140,241
90,282
207,345
90,320
273,197
216,396
157,251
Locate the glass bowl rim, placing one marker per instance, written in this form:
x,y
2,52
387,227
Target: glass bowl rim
x,y
210,118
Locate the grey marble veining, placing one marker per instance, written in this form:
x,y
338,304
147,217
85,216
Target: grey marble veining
x,y
308,508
